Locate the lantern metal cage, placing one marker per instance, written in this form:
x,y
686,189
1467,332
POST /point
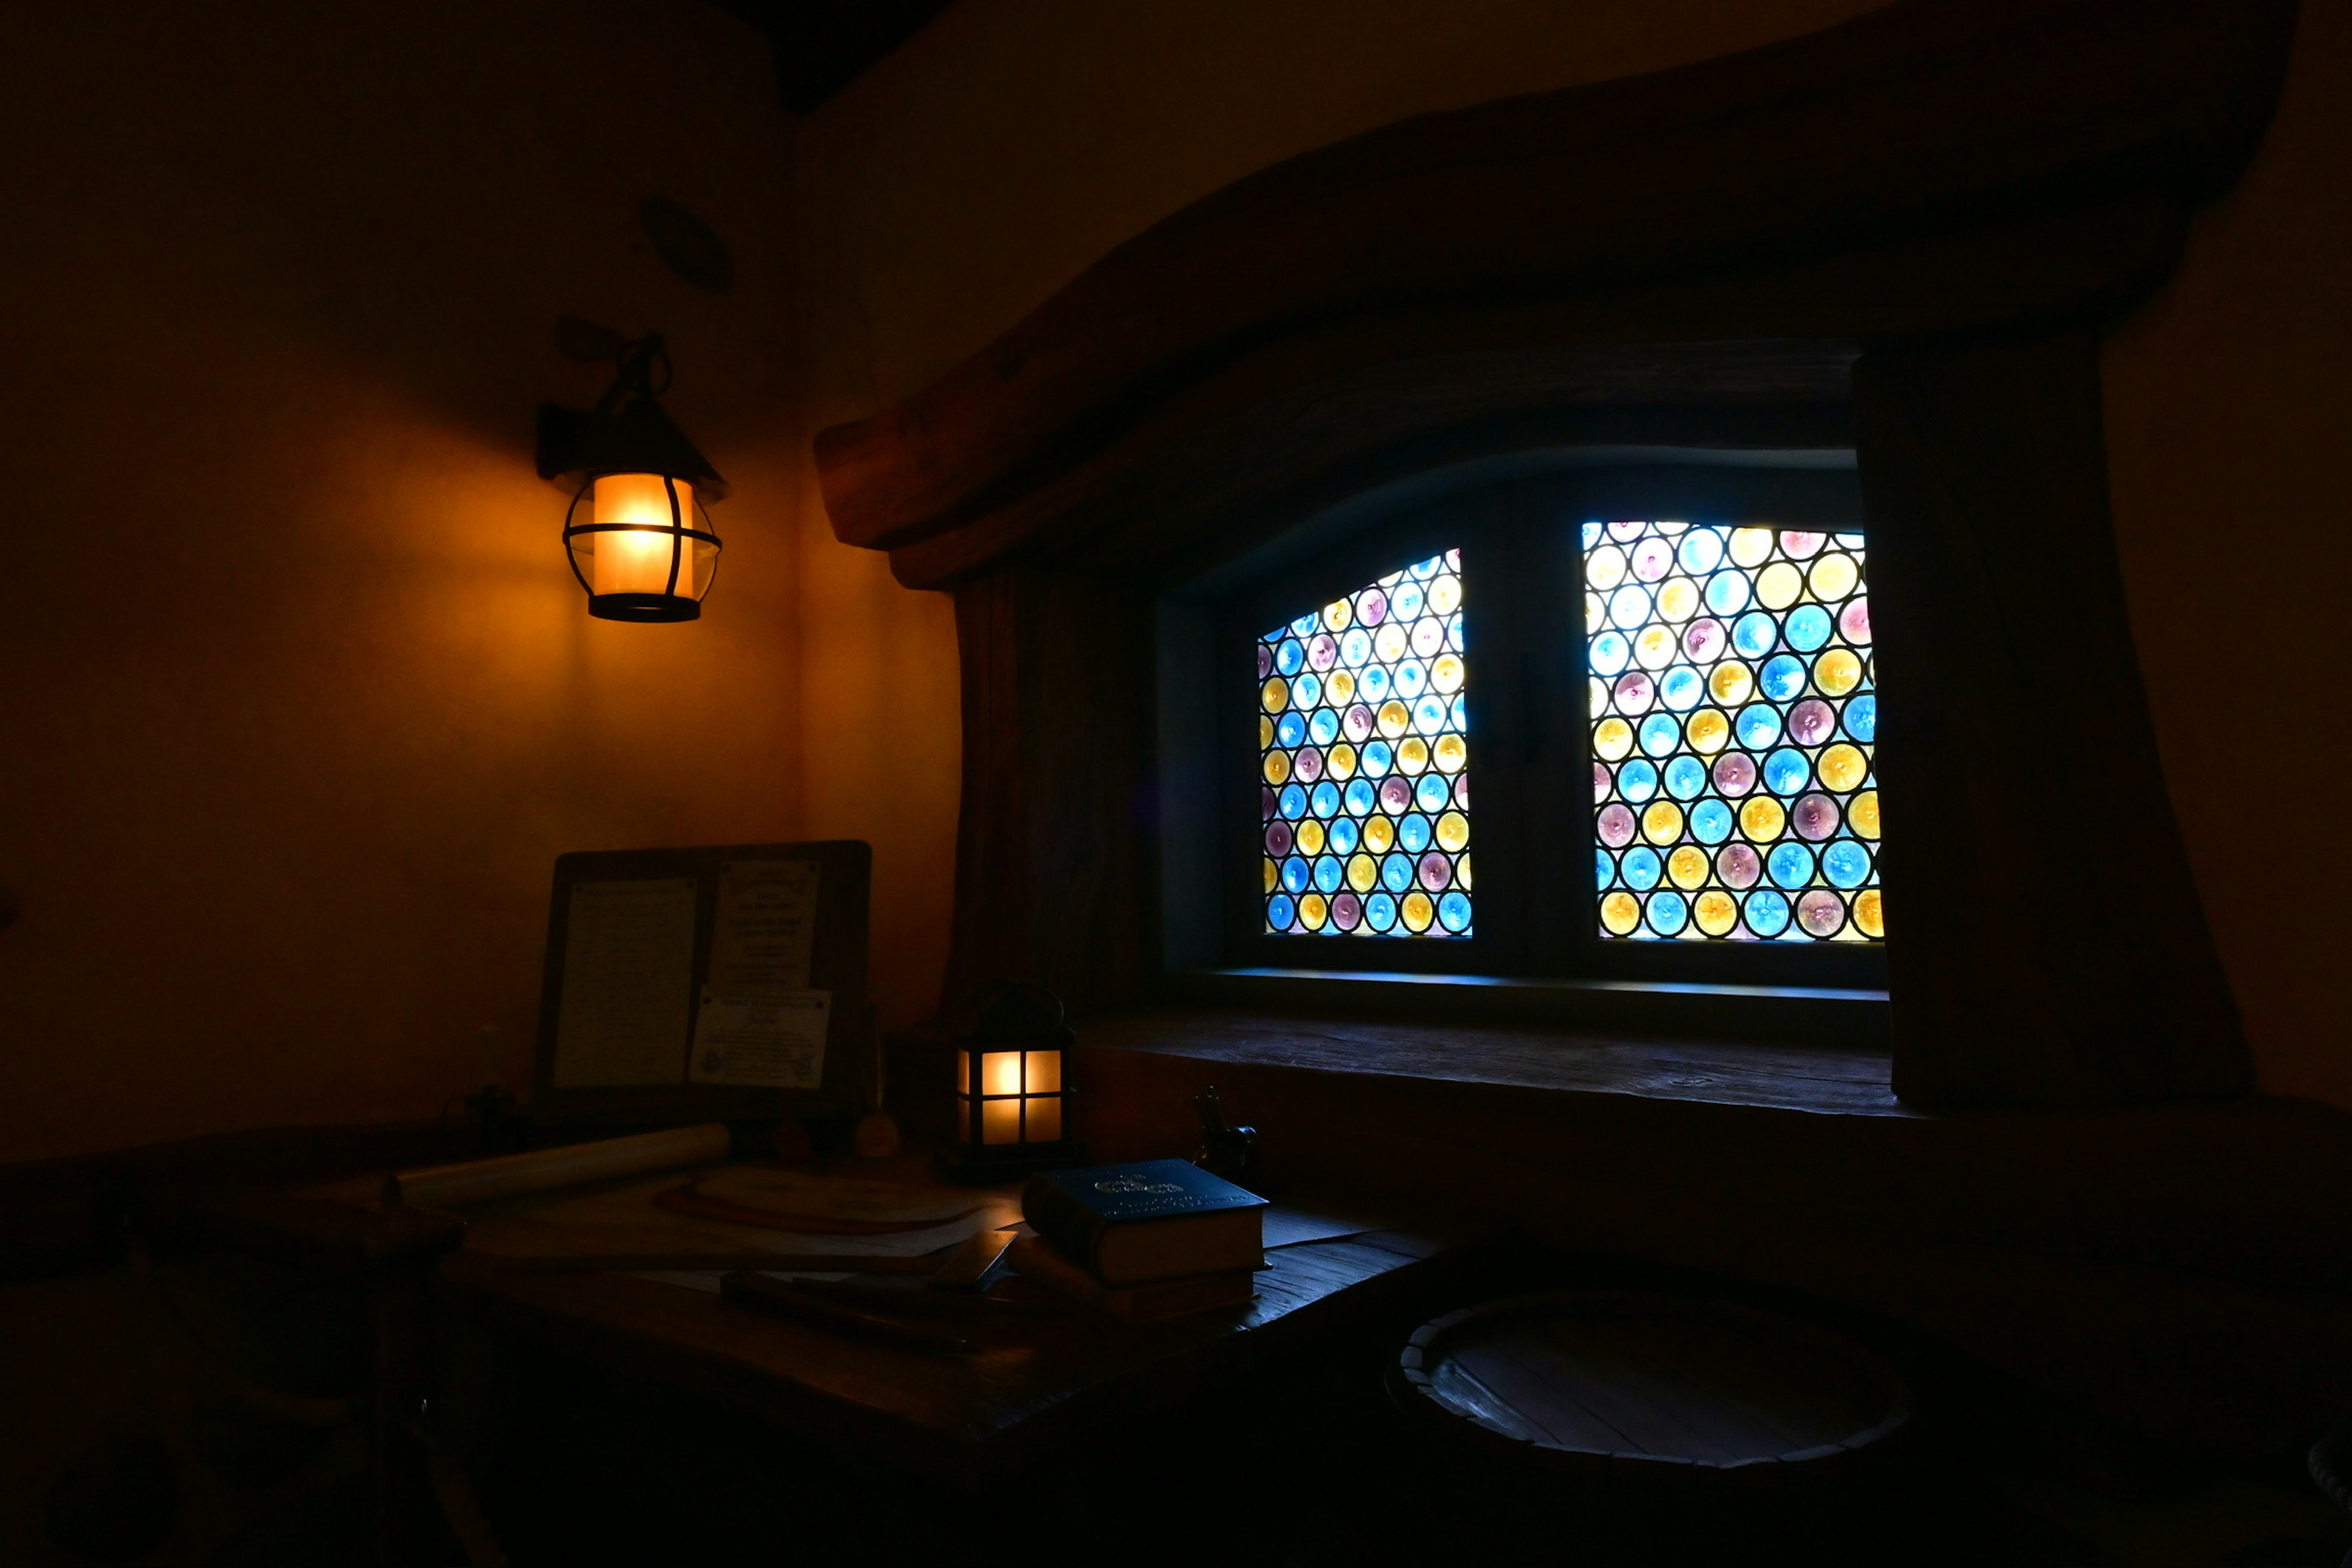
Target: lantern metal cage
x,y
637,533
1012,1091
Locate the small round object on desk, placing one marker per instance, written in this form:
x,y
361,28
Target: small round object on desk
x,y
1667,1396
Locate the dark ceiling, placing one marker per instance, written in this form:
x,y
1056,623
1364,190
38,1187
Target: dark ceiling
x,y
821,46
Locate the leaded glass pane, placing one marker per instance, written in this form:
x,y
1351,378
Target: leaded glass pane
x,y
1734,720
1362,755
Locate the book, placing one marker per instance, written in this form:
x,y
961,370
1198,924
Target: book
x,y
1154,1301
1160,1219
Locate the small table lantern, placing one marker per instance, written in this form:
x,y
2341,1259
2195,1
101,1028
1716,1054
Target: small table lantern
x,y
1012,1089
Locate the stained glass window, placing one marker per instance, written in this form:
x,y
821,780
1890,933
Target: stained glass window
x,y
1361,751
1734,717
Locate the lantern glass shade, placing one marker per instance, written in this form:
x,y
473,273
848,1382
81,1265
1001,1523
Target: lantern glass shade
x,y
1009,1098
643,547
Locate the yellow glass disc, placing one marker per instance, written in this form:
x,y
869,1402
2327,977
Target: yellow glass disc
x,y
1749,546
1715,913
1843,767
1594,613
1339,686
1452,831
1655,648
1340,762
1264,731
1678,599
1867,914
1687,867
1833,576
1276,695
1418,911
1380,835
1731,681
1761,819
1612,739
1395,717
1462,873
1445,594
1621,912
1605,567
1277,766
1662,822
1272,875
1389,644
1838,671
1863,814
1446,673
1778,586
1363,871
1313,912
1413,755
1707,731
1453,751
1310,837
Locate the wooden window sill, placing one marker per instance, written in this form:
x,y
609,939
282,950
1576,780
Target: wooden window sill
x,y
1360,1032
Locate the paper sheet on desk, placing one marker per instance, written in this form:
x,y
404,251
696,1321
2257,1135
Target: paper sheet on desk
x,y
623,1219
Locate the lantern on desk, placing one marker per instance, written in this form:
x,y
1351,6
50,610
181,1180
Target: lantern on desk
x,y
1012,1092
640,542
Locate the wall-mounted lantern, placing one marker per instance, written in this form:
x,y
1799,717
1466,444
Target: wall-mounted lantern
x,y
640,540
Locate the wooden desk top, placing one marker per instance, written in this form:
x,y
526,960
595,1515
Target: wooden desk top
x,y
1046,1384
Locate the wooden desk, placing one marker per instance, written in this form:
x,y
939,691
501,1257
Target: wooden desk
x,y
1044,1386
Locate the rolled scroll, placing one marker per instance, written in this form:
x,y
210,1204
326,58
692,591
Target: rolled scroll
x,y
478,1181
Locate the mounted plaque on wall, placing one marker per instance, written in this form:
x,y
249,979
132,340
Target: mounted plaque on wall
x,y
721,983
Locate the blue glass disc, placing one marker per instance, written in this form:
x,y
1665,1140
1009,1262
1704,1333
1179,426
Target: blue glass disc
x,y
1758,726
1431,794
1297,876
1668,913
1767,912
1862,719
1685,776
1291,657
1641,869
1396,873
1280,912
1307,690
1637,780
1726,592
1379,912
1791,864
1605,869
1413,835
1372,686
1808,628
1754,633
1328,874
1660,734
1782,678
1375,759
1453,912
1324,728
1360,800
1710,822
1845,863
1290,730
1786,771
1610,653
1344,834
1325,799
1701,551
1294,802
1681,689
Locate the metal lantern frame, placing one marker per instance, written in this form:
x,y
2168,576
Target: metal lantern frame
x,y
627,433
1023,1020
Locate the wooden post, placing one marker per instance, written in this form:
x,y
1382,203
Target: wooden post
x,y
2045,940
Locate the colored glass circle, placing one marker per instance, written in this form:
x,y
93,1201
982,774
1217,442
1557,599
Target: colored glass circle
x,y
1653,558
1703,641
1796,544
1621,914
1264,662
1343,836
1329,874
1838,671
1641,869
1379,834
1274,695
1738,866
1445,594
1412,833
1294,802
1710,822
1709,731
1605,568
1290,658
1417,912
1786,771
1758,726
1628,607
1605,869
1832,576
1462,871
1307,765
1313,910
1751,546
1356,648
1265,732
1730,682
1307,690
1755,633
1767,912
1446,673
1637,780
1854,623
1277,766
1790,864
1778,586
1325,801
1842,768
1291,729
1814,816
1281,912
1428,636
1338,686
1715,913
1453,912
1409,678
1845,864
1452,831
1395,719
1432,793
1346,912
1821,912
1452,753
1686,777
1309,838
1273,876
1360,797
1862,719
1612,739
1762,818
1340,762
1277,840
1371,607
1687,867
1806,628
1379,912
1337,614
1435,871
1396,794
1701,550
1411,754
1811,722
1735,773
1654,647
1681,689
1662,822
1661,733
1633,692
1404,603
1396,873
1615,826
1297,874
1609,653
1677,599
1782,678
1868,917
1728,593
1323,652
1667,912
1863,814
1429,714
1363,873
1373,684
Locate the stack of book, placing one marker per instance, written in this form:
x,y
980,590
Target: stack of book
x,y
1143,1242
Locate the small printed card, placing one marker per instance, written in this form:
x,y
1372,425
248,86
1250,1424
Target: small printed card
x,y
765,1038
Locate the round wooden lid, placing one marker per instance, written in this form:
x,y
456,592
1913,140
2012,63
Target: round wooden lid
x,y
1626,1379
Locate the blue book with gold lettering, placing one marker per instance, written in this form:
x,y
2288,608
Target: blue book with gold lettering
x,y
1160,1219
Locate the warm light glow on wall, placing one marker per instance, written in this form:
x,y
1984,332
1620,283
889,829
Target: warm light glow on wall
x,y
642,562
